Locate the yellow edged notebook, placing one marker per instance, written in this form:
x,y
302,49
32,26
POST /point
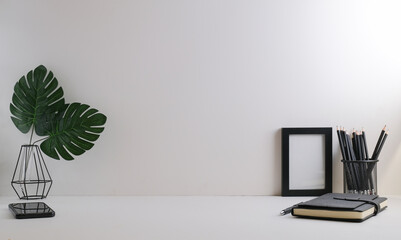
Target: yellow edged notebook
x,y
338,206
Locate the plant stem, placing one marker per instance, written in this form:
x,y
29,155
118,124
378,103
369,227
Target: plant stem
x,y
40,140
27,160
30,140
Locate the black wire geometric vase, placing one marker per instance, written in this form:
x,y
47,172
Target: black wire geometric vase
x,y
31,178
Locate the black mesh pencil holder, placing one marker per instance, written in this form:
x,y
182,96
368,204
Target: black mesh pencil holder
x,y
360,176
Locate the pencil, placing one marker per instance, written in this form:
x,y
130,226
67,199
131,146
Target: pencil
x,y
381,145
341,144
348,137
365,145
347,173
347,156
361,167
378,143
354,168
359,146
355,144
362,147
376,154
346,145
369,178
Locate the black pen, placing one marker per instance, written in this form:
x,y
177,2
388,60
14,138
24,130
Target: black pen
x,y
289,209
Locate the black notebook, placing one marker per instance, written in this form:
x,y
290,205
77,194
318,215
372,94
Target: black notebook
x,y
338,206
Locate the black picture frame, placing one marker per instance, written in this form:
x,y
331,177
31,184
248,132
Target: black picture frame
x,y
328,150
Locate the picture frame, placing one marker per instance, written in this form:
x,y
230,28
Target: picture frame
x,y
306,161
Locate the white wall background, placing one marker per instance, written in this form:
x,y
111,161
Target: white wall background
x,y
196,91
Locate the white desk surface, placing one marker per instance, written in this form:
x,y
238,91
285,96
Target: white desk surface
x,y
188,218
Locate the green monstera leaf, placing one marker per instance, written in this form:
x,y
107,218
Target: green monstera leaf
x,y
71,131
35,95
38,104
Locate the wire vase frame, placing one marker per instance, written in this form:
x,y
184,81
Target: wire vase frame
x,y
31,179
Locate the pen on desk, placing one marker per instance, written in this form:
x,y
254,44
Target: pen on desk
x,y
288,210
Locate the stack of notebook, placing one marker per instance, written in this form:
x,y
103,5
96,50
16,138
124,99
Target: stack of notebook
x,y
337,206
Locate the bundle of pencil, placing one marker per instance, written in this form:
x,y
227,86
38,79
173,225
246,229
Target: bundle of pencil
x,y
358,167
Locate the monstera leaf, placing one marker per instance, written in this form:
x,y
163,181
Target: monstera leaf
x,y
71,131
38,104
35,95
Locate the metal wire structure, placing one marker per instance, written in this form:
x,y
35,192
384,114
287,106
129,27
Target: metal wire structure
x,y
31,179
